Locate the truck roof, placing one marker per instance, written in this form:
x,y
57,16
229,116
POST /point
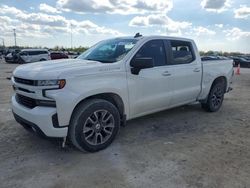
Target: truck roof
x,y
156,37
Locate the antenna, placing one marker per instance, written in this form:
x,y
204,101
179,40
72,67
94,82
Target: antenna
x,y
137,35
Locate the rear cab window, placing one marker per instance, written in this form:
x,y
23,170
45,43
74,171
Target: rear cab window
x,y
181,52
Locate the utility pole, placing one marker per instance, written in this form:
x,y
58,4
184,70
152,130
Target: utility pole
x,y
71,35
3,41
15,36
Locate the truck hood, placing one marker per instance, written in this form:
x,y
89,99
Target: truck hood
x,y
55,69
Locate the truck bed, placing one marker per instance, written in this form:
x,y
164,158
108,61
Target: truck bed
x,y
212,69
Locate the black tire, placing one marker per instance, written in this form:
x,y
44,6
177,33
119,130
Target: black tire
x,y
42,59
20,61
87,116
215,97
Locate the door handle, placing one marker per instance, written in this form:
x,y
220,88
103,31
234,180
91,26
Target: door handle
x,y
197,70
166,73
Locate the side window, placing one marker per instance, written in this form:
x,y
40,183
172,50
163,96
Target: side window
x,y
33,53
23,53
182,52
43,52
30,53
153,49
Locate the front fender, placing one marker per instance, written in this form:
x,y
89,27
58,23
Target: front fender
x,y
79,88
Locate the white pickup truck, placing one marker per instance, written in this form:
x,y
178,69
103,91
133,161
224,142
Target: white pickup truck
x,y
88,98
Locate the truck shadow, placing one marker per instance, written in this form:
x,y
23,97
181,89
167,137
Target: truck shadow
x,y
181,121
164,125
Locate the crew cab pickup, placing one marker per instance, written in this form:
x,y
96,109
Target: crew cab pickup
x,y
88,98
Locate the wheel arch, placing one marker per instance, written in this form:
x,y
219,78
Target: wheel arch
x,y
113,98
218,80
215,81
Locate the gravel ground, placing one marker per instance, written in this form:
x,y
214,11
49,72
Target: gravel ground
x,y
178,148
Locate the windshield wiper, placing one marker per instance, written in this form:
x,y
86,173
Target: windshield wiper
x,y
91,59
102,61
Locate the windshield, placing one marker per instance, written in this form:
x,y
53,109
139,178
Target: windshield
x,y
109,51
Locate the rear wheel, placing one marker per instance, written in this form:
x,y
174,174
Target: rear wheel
x,y
215,97
94,125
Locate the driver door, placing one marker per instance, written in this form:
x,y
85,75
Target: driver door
x,y
149,91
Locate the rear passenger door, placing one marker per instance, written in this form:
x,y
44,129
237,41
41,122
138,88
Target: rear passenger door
x,y
185,70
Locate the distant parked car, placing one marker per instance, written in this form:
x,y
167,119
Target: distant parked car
x,y
242,61
12,57
208,58
247,57
9,58
73,55
223,57
33,55
58,55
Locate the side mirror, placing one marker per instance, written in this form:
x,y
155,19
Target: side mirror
x,y
141,63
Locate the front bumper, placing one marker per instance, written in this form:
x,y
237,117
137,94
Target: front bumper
x,y
39,118
9,60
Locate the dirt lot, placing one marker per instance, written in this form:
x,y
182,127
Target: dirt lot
x,y
182,147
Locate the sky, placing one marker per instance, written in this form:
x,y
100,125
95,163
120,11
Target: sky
x,y
219,25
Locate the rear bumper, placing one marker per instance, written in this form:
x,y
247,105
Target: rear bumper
x,y
38,118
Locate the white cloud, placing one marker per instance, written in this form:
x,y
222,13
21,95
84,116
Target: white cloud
x,y
219,25
236,33
4,9
242,12
124,7
139,21
7,25
48,9
44,19
5,19
43,24
159,20
203,31
215,5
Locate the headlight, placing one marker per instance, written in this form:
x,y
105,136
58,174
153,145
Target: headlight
x,y
60,83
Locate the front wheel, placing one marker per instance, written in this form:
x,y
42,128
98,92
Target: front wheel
x,y
215,97
94,125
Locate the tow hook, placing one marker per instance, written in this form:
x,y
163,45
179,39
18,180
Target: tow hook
x,y
229,89
123,120
64,142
